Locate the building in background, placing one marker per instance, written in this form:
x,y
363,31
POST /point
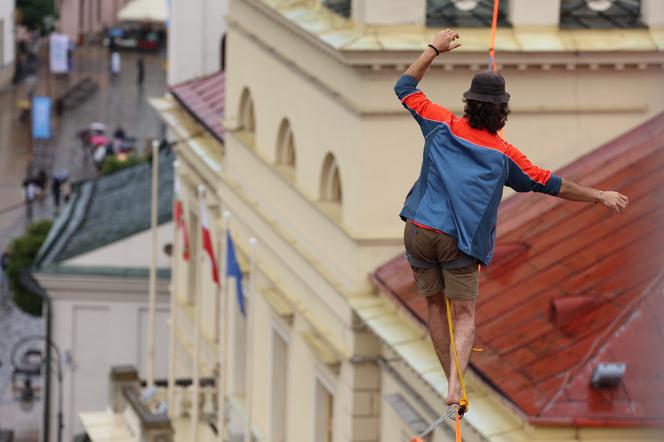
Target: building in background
x,y
303,143
7,46
94,267
196,38
81,18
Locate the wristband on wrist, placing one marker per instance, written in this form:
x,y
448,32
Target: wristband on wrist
x,y
435,49
601,196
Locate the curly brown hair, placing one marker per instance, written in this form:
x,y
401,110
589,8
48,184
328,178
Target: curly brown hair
x,y
486,116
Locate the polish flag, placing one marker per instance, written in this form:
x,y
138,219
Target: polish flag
x,y
178,212
207,241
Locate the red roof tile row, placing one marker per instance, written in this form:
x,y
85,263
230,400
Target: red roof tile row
x,y
204,99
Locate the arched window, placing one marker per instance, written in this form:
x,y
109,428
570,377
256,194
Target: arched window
x,y
285,145
247,119
330,181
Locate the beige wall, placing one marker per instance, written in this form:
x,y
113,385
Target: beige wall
x,y
195,32
133,251
99,323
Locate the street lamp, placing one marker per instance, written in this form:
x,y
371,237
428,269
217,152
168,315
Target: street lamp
x,y
29,365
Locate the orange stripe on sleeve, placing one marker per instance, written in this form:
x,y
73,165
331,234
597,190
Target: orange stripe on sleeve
x,y
419,103
537,174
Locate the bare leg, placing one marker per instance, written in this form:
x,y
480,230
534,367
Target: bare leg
x,y
463,319
440,335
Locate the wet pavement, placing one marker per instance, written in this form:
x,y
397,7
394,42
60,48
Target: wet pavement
x,y
118,102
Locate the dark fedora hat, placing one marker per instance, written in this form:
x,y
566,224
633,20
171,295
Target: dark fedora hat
x,y
488,87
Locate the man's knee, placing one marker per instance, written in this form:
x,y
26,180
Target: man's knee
x,y
436,302
464,311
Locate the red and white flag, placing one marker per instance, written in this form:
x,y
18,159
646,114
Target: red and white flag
x,y
207,241
178,213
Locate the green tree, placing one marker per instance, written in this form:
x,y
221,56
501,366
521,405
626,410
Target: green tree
x,y
33,12
23,251
113,164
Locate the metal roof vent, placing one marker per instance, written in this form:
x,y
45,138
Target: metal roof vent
x,y
608,374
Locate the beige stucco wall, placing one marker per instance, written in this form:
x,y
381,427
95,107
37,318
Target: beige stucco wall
x,y
133,251
195,33
99,323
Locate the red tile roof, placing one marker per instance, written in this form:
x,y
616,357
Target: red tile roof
x,y
602,272
204,99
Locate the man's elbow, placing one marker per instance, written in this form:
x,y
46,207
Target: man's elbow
x,y
404,86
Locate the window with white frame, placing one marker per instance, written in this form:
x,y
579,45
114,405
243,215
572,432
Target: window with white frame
x,y
247,118
279,399
339,7
600,14
324,412
330,183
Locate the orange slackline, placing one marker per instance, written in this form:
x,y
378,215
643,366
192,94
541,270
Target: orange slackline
x,y
457,427
492,43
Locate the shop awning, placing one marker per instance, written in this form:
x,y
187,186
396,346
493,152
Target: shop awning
x,y
153,11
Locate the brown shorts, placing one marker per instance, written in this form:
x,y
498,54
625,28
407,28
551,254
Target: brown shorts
x,y
460,284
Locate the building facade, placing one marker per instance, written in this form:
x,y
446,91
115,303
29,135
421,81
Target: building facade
x,y
7,46
196,39
308,174
94,267
81,18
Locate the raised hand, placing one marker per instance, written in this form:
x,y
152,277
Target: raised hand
x,y
444,40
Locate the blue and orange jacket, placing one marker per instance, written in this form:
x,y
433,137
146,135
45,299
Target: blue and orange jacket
x,y
463,173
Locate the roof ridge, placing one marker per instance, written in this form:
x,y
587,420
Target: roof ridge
x,y
610,330
84,195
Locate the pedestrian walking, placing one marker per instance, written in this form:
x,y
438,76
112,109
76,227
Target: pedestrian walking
x,y
116,63
30,191
450,212
59,178
42,182
140,71
4,279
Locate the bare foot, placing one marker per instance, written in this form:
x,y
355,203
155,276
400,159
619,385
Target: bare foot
x,y
453,397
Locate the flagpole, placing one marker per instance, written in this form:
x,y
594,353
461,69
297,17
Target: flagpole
x,y
175,251
153,264
250,336
197,320
223,319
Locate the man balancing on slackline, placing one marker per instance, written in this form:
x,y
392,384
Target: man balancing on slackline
x,y
451,209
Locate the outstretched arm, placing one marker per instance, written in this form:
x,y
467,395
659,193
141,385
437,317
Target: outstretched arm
x,y
615,201
443,42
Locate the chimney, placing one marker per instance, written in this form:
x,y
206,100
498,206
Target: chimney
x,y
390,12
565,309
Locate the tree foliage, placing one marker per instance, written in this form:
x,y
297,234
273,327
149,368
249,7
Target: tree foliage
x,y
23,251
33,12
113,163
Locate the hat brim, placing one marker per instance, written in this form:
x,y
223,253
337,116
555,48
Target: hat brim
x,y
486,98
